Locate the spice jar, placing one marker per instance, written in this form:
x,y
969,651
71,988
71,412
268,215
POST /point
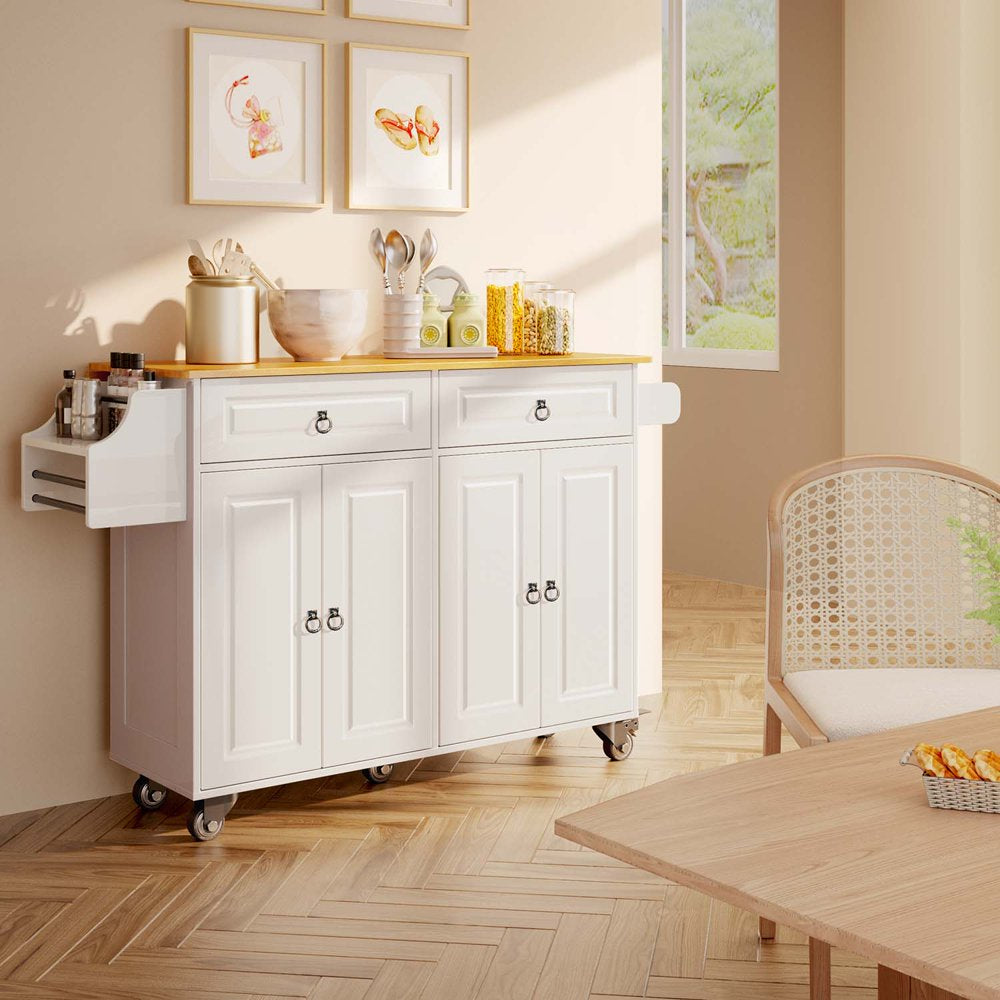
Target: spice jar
x,y
433,324
555,322
532,304
505,309
466,325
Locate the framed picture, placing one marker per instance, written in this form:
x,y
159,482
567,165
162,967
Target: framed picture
x,y
297,6
256,119
434,13
407,129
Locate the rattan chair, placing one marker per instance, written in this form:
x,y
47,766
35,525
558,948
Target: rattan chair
x,y
867,600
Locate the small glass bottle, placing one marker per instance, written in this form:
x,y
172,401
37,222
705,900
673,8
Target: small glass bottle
x,y
149,381
64,405
466,324
433,325
114,393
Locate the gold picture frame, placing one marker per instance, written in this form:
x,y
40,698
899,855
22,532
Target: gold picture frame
x,y
266,6
352,11
194,155
351,199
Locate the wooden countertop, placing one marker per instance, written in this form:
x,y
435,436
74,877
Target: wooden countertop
x,y
375,363
836,841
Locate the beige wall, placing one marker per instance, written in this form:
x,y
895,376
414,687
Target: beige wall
x,y
922,139
93,258
743,432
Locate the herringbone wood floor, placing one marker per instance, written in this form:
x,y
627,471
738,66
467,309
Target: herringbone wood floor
x,y
447,883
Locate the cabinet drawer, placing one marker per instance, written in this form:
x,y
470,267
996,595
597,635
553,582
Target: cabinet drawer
x,y
523,404
281,417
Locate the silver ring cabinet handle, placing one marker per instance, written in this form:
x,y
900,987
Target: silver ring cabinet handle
x,y
551,589
312,619
334,620
532,596
541,410
323,423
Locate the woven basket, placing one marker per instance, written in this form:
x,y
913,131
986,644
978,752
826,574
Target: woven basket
x,y
958,793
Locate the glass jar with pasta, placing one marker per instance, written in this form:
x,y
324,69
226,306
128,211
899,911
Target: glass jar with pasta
x,y
532,306
505,309
555,321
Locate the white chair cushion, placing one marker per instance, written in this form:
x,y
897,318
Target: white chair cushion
x,y
846,703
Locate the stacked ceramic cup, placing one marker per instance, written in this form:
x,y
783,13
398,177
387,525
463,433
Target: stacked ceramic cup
x,y
401,323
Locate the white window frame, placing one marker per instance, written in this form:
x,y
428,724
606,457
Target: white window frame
x,y
674,354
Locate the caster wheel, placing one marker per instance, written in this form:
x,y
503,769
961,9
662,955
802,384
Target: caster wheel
x,y
145,796
616,752
202,829
379,774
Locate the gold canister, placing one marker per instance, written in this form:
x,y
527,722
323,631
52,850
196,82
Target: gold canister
x,y
221,321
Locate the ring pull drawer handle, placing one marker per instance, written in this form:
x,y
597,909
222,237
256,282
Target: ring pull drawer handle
x,y
541,410
551,591
323,423
532,596
312,619
334,620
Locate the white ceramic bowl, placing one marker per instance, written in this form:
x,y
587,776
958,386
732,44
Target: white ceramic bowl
x,y
317,324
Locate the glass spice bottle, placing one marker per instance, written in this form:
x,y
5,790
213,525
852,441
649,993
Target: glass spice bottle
x,y
555,323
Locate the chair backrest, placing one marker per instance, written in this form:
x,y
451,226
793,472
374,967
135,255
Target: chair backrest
x,y
865,570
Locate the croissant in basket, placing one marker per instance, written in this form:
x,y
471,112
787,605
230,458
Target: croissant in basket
x,y
931,760
959,762
987,764
951,761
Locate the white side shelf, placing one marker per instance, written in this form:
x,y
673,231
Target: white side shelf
x,y
137,475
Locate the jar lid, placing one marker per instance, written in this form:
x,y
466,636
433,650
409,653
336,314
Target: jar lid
x,y
69,373
430,299
465,299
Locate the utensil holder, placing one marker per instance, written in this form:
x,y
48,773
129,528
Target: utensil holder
x,y
221,321
401,320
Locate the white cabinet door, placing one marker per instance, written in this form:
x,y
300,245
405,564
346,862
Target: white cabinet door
x,y
260,667
378,574
489,631
587,636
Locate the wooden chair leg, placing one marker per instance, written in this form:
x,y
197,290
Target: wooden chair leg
x,y
772,745
819,970
772,732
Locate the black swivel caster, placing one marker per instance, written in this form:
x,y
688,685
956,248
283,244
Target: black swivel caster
x,y
379,774
208,817
148,795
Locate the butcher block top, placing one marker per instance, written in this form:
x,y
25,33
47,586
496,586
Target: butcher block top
x,y
375,363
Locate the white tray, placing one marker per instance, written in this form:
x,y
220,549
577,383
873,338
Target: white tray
x,y
442,352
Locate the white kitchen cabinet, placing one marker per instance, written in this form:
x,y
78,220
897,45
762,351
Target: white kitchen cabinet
x,y
378,609
335,567
260,666
587,585
490,632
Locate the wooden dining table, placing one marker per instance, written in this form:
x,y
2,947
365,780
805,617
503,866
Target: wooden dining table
x,y
838,842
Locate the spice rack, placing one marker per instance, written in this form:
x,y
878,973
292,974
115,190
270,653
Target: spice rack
x,y
136,475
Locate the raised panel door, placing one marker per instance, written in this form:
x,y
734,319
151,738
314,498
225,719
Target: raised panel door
x,y
489,630
587,631
260,665
378,571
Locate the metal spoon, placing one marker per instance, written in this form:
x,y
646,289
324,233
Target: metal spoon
x,y
428,251
396,252
376,247
411,250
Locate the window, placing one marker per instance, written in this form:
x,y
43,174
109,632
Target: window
x,y
720,272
